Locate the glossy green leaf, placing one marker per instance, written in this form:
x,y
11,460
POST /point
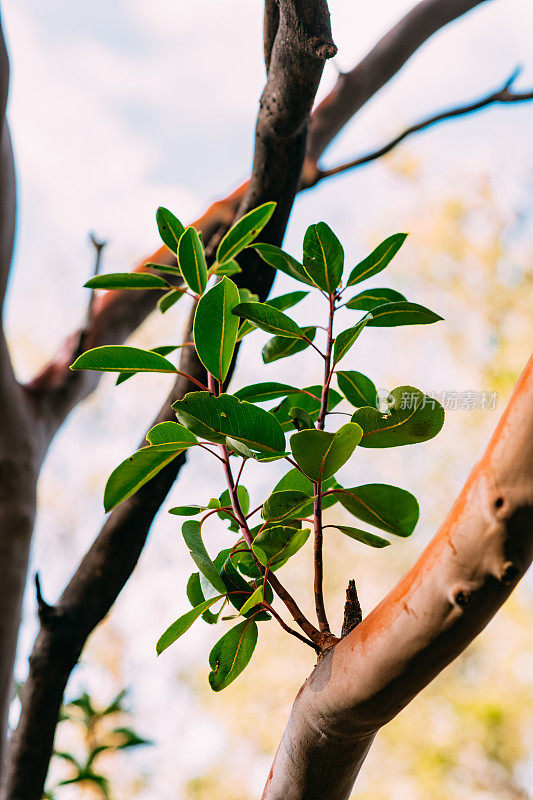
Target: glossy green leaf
x,y
121,358
225,501
192,535
366,301
182,624
283,262
300,418
346,339
282,505
169,299
254,599
244,231
127,280
403,313
361,536
228,269
320,453
187,511
239,590
215,328
262,392
172,270
231,654
387,507
134,472
378,259
282,303
163,350
323,257
246,296
218,417
170,228
358,389
296,481
412,417
275,545
191,260
282,347
269,319
170,436
196,597
308,402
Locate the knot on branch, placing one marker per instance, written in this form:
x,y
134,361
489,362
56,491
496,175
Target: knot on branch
x,y
45,611
352,610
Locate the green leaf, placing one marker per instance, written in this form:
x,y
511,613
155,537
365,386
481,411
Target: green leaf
x,y
377,260
239,590
170,436
371,298
228,269
196,596
282,303
412,417
188,511
244,231
191,260
323,257
275,545
170,228
345,339
121,358
269,319
358,389
182,624
297,481
402,313
169,299
262,392
231,654
282,347
163,350
246,296
283,262
130,738
215,328
225,501
254,599
306,402
134,472
192,535
300,418
282,505
320,454
387,507
163,268
226,415
361,536
127,280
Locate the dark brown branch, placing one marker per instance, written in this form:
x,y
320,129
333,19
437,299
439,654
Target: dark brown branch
x,y
279,151
503,95
270,28
353,89
352,610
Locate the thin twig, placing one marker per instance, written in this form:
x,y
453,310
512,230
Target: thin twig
x,y
503,95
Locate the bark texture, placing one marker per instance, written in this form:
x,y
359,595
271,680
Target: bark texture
x,y
462,578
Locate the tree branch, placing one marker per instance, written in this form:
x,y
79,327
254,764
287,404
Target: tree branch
x,y
462,578
503,95
353,89
294,74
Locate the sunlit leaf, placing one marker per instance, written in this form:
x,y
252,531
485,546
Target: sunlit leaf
x,y
402,313
170,228
412,417
182,624
346,339
191,533
191,260
323,257
135,471
127,280
378,259
121,358
231,654
358,389
170,436
217,417
320,453
366,301
215,328
163,350
387,507
244,231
